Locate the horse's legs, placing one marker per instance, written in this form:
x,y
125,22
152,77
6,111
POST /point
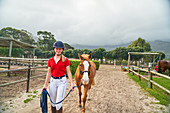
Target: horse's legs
x,y
169,73
79,88
84,98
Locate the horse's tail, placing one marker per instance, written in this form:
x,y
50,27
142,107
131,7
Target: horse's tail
x,y
159,68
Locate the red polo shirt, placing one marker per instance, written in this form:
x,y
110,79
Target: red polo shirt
x,y
58,69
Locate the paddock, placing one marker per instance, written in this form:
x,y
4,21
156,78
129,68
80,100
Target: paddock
x,y
113,92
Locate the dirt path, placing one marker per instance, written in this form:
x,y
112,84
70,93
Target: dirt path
x,y
113,92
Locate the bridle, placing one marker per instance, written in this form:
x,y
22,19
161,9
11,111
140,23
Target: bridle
x,y
81,72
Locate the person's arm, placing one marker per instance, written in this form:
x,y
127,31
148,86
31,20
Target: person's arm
x,y
70,76
48,76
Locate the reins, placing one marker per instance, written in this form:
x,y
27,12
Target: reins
x,y
81,72
64,97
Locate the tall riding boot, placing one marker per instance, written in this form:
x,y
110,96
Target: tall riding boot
x,y
53,109
60,110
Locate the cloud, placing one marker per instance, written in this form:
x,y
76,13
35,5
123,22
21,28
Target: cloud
x,y
90,22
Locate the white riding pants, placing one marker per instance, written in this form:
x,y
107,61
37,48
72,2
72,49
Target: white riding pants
x,y
57,91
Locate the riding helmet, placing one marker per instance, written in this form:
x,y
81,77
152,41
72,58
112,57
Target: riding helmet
x,y
58,44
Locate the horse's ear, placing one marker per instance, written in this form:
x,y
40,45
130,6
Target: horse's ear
x,y
90,56
80,57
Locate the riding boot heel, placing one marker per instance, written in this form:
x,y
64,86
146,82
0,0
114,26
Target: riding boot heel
x,y
60,110
53,109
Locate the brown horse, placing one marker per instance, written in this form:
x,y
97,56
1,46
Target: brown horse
x,y
85,76
163,66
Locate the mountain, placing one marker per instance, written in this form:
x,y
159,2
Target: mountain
x,y
157,45
107,47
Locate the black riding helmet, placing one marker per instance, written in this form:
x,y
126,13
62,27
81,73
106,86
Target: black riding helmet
x,y
58,44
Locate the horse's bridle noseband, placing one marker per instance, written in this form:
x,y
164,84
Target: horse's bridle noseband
x,y
81,72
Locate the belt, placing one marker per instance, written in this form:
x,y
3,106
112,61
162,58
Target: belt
x,y
58,77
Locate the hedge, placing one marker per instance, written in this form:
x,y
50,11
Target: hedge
x,y
97,63
75,63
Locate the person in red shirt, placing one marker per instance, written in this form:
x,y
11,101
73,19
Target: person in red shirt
x,y
156,68
58,65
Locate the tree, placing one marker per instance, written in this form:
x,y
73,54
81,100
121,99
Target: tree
x,y
147,47
38,53
10,32
29,39
75,53
136,49
120,53
141,43
98,53
68,53
45,40
86,51
108,55
5,52
21,35
67,46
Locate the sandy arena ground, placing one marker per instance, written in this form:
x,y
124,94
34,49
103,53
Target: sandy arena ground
x,y
113,92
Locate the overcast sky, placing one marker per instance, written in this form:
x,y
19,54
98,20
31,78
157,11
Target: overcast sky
x,y
90,22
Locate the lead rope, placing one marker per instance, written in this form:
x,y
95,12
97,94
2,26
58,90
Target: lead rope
x,y
64,97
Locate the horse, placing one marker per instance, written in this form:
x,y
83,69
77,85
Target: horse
x,y
84,76
163,66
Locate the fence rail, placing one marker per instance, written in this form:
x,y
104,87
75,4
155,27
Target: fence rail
x,y
31,59
149,79
28,69
159,74
19,81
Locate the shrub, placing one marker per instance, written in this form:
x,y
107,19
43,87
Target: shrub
x,y
124,62
97,63
74,65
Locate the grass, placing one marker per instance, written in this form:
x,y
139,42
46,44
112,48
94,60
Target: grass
x,y
142,73
27,100
35,91
163,82
31,96
159,94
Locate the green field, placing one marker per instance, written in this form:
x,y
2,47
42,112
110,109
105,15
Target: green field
x,y
159,94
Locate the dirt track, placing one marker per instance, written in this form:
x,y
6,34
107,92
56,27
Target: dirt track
x,y
113,92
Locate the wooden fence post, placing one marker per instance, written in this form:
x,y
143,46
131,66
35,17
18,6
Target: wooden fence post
x,y
139,73
149,78
114,63
9,64
132,70
28,78
128,62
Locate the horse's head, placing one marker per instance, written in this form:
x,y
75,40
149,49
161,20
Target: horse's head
x,y
84,68
162,66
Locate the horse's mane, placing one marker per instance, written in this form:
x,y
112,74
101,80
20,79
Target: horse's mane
x,y
85,57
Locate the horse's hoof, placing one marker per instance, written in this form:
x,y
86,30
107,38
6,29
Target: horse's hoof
x,y
83,111
79,105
